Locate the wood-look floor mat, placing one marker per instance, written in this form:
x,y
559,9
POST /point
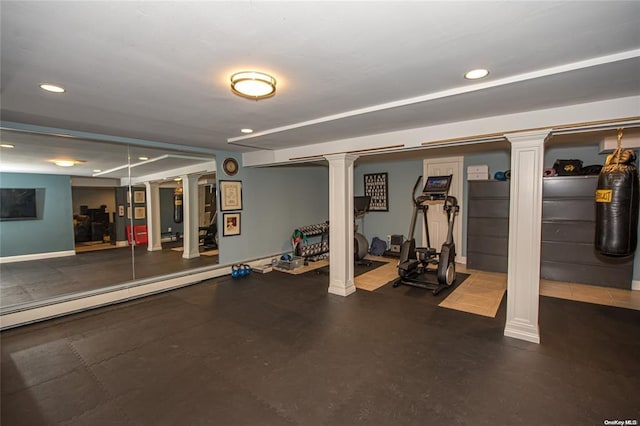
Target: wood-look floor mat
x,y
480,295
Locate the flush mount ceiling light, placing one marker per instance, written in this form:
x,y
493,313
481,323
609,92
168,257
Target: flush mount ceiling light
x,y
246,130
143,158
6,145
253,85
476,74
52,88
65,163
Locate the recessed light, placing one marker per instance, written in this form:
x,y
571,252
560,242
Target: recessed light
x,y
52,88
6,145
476,74
96,170
143,158
178,179
246,130
65,163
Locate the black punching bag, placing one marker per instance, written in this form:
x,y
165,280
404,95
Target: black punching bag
x,y
617,204
177,205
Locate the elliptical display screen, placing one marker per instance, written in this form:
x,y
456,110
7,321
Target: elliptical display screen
x,y
437,185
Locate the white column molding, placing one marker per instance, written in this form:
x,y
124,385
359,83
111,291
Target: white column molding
x,y
341,224
153,216
190,216
525,215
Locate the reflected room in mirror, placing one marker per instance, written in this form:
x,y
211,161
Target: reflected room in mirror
x,y
108,215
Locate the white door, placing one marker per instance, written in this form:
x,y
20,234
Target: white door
x,y
436,215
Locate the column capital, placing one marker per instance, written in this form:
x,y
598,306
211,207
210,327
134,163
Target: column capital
x,y
342,157
528,136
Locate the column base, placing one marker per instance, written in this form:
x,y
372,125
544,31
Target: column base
x,y
190,256
522,331
156,247
341,289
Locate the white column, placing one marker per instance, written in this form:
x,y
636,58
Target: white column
x,y
190,216
153,216
525,215
341,224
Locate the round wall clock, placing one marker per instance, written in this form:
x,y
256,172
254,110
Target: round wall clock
x,y
230,166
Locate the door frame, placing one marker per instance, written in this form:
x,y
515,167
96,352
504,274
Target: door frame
x,y
459,188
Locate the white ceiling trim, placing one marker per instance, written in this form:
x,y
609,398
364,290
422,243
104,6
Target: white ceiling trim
x,y
621,56
467,131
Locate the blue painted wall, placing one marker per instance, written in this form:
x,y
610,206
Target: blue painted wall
x,y
275,201
54,231
402,176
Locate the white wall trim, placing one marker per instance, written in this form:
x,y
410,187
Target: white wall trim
x,y
37,256
609,109
65,307
635,285
461,260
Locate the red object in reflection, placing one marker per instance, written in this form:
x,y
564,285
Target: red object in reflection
x,y
140,232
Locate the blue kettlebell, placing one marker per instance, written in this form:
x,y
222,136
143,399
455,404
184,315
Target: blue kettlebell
x,y
500,176
247,269
235,271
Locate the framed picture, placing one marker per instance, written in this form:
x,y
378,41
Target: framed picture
x,y
231,224
121,210
138,197
139,212
230,195
375,186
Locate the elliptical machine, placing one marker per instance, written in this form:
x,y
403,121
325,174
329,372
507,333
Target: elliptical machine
x,y
416,261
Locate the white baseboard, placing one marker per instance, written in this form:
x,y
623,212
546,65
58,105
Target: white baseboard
x,y
37,256
461,259
635,285
122,243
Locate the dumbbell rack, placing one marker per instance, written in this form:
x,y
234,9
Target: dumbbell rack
x,y
317,248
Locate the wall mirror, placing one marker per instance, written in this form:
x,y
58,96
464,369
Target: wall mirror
x,y
91,227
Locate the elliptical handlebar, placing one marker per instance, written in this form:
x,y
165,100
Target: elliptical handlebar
x,y
413,192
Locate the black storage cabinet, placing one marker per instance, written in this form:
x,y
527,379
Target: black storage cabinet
x,y
488,225
568,236
568,232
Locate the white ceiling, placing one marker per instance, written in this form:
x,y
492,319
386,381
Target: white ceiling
x,y
159,71
35,153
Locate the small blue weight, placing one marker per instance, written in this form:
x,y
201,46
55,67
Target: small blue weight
x,y
500,176
235,271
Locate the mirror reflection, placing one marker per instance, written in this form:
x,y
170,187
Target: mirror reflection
x,y
118,213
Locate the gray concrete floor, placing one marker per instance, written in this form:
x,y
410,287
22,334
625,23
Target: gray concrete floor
x,y
278,349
